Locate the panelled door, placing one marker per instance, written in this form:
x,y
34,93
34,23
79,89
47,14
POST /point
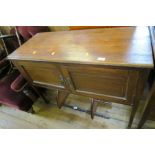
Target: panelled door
x,y
101,82
47,74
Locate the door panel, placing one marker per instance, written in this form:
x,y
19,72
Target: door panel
x,y
115,83
45,73
99,84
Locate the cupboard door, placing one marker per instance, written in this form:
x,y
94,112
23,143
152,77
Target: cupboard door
x,y
101,82
43,73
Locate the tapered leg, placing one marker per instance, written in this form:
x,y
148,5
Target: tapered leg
x,y
61,97
93,107
40,94
133,112
141,81
144,117
44,98
149,104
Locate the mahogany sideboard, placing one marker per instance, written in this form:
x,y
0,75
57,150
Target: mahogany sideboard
x,y
108,64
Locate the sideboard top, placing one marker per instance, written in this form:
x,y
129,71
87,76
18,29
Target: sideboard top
x,y
125,46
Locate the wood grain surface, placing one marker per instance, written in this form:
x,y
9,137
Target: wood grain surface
x,y
125,46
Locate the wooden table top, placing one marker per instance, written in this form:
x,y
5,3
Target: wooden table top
x,y
125,46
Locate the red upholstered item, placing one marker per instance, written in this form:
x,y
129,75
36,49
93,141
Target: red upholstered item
x,y
14,89
26,32
18,84
11,98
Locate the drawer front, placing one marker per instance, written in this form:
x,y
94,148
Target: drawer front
x,y
103,82
43,73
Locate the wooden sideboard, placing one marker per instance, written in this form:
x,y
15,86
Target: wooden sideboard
x,y
108,64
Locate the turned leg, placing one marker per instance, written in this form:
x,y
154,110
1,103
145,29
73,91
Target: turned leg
x,y
61,97
93,107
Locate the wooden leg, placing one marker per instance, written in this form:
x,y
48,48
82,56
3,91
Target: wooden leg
x,y
149,104
146,111
144,118
61,97
44,98
40,94
93,107
133,112
141,80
